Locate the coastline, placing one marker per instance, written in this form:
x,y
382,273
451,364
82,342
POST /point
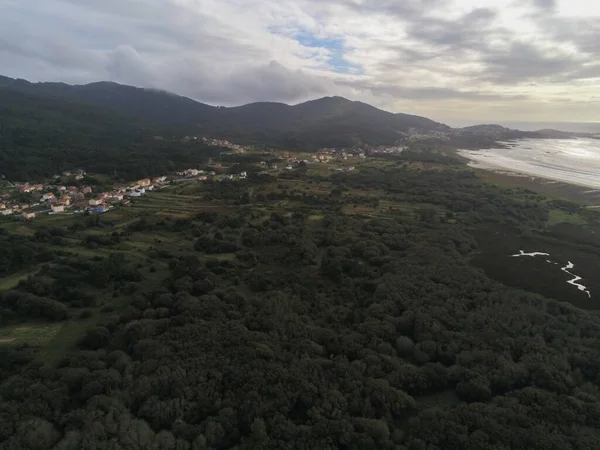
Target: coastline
x,y
568,169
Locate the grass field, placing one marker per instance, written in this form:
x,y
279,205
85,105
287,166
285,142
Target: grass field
x,y
65,337
12,281
557,216
30,333
549,188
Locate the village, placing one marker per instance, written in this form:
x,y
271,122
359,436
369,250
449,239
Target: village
x,y
67,193
62,196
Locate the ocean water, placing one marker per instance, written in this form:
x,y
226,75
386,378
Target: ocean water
x,y
574,161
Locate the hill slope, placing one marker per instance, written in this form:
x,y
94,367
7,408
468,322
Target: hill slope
x,y
329,121
42,134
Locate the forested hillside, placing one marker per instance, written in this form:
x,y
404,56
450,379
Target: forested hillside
x,y
43,135
315,310
330,121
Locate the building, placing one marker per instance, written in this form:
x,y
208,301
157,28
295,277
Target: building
x,y
64,201
79,177
159,179
87,190
2,206
144,182
28,215
100,209
6,211
243,175
116,198
48,196
58,208
95,202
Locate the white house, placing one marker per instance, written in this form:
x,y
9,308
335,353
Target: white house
x,y
58,208
6,211
95,202
28,215
243,175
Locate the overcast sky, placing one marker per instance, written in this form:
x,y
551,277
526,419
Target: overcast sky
x,y
451,60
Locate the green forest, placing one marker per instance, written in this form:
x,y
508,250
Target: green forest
x,y
41,136
314,310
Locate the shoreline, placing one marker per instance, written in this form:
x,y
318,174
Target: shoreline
x,y
564,170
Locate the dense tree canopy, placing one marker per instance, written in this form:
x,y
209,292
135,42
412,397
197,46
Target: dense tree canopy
x,y
338,322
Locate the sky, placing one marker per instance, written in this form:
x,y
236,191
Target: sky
x,y
450,60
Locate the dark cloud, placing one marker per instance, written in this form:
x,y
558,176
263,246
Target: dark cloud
x,y
583,33
523,62
270,82
546,5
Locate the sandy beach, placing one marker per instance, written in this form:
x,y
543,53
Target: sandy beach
x,y
573,161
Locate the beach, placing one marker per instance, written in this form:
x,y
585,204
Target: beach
x,y
573,161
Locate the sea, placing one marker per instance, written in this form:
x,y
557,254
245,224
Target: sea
x,y
573,161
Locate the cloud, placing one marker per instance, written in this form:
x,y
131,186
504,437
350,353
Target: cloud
x,y
545,5
440,57
125,65
523,62
267,82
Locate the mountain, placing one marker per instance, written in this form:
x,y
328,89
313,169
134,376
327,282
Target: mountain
x,y
156,106
41,135
557,134
329,121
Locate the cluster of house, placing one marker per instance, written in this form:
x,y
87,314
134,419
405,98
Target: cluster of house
x,y
414,134
188,173
345,169
203,175
326,155
8,208
58,198
224,143
78,174
386,149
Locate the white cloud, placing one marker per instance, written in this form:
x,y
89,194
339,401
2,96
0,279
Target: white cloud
x,y
467,59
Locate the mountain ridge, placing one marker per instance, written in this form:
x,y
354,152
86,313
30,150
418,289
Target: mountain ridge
x,y
167,107
323,122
